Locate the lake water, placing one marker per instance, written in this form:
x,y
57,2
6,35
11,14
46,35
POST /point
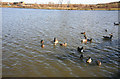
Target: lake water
x,y
23,29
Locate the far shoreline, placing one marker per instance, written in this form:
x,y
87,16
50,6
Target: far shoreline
x,y
113,6
114,9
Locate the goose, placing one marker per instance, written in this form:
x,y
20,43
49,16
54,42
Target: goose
x,y
108,37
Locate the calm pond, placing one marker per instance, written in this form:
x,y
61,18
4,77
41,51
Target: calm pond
x,y
23,29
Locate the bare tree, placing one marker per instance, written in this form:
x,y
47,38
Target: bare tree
x,y
68,3
60,3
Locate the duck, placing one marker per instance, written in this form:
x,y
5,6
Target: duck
x,y
108,37
116,23
105,30
83,33
84,40
55,41
64,44
80,49
98,63
42,41
42,45
85,36
81,56
90,40
89,60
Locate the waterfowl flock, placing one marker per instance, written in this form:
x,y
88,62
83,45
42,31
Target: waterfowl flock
x,y
80,49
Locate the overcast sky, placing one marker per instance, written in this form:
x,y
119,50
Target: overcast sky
x,y
64,1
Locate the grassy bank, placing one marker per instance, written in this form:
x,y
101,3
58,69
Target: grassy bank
x,y
59,8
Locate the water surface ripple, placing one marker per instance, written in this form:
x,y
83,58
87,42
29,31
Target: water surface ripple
x,y
24,28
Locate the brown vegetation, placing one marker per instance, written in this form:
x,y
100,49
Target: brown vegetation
x,y
106,6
